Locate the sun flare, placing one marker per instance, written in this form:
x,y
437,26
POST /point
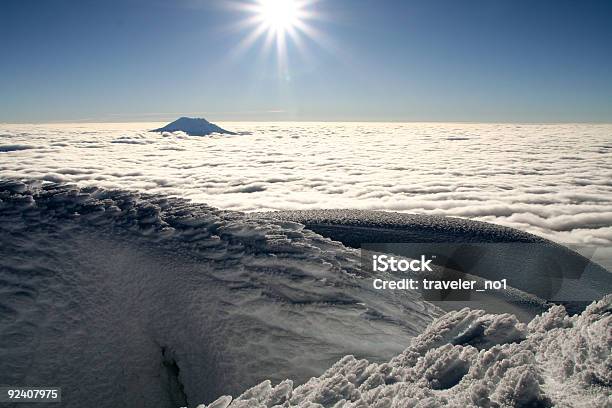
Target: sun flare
x,y
279,23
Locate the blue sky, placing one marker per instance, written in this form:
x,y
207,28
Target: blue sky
x,y
434,60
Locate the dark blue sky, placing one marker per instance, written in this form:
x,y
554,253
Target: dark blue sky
x,y
430,60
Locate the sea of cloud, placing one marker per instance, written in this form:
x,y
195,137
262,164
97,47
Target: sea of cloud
x,y
554,180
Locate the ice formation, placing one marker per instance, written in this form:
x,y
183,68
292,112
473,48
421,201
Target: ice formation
x,y
193,127
468,358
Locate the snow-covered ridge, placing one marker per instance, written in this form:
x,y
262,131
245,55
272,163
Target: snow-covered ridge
x,y
193,127
355,227
469,359
127,299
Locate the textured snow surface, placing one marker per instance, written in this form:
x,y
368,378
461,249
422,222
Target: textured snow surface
x,y
400,227
539,258
127,299
193,127
469,359
551,180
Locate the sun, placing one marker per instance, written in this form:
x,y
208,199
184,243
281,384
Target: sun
x,y
280,23
279,15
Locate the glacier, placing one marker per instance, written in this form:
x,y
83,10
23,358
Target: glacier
x,y
124,298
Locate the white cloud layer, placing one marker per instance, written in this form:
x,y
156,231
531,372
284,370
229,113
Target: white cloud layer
x,y
551,180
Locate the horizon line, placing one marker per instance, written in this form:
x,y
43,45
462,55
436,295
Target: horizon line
x,y
510,122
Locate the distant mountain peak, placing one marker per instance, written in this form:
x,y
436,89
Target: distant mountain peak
x,y
193,127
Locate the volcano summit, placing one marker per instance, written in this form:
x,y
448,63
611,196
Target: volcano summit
x,y
193,127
